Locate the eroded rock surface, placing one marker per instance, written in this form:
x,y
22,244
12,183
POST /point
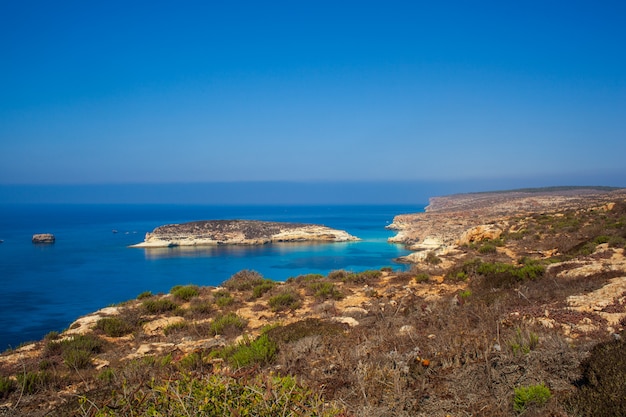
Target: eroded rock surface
x,y
240,232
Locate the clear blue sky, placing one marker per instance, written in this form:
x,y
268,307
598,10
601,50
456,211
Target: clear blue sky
x,y
341,91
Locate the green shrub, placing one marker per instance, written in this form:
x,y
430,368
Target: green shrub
x,y
523,342
464,295
144,295
602,239
262,288
533,395
7,385
248,352
200,307
288,300
33,382
86,342
227,322
161,305
76,351
219,395
362,277
223,298
175,327
106,375
51,335
305,279
386,269
45,364
325,290
617,242
77,358
458,277
422,277
432,258
487,248
499,274
114,326
338,275
192,362
185,292
243,280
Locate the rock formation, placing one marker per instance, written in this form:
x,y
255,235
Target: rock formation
x,y
43,238
239,232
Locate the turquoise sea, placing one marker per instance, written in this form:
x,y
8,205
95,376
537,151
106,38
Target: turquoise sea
x,y
46,287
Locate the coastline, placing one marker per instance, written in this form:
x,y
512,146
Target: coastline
x,y
528,301
90,267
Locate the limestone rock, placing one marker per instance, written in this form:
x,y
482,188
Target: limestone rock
x,y
156,327
151,349
355,312
480,233
350,321
43,238
87,323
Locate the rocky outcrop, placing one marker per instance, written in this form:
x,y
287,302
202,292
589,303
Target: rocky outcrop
x,y
43,238
240,232
480,233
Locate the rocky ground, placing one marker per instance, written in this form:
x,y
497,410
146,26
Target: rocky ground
x,y
514,304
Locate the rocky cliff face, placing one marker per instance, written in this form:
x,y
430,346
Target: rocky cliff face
x,y
240,232
453,221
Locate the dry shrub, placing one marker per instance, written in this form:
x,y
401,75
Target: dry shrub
x,y
243,280
602,388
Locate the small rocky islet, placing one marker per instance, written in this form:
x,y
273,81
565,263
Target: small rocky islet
x,y
515,304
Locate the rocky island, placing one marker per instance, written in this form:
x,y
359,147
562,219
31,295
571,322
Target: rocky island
x,y
43,238
239,232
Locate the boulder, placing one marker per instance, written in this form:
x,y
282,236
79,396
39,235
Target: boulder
x,y
43,238
480,233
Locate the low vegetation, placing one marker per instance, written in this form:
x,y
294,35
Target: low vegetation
x,y
185,292
530,396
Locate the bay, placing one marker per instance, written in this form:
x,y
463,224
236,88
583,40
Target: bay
x,y
46,287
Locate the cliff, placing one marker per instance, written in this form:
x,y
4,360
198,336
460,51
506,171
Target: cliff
x,y
240,232
453,221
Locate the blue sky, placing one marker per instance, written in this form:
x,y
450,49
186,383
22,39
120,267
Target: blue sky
x,y
507,93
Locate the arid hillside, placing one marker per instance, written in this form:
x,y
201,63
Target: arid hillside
x,y
513,304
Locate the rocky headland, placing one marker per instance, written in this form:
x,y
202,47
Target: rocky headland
x,y
453,221
240,232
514,304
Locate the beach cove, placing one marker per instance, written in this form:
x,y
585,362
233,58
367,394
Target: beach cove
x,y
46,287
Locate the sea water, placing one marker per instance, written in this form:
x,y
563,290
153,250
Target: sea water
x,y
46,287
